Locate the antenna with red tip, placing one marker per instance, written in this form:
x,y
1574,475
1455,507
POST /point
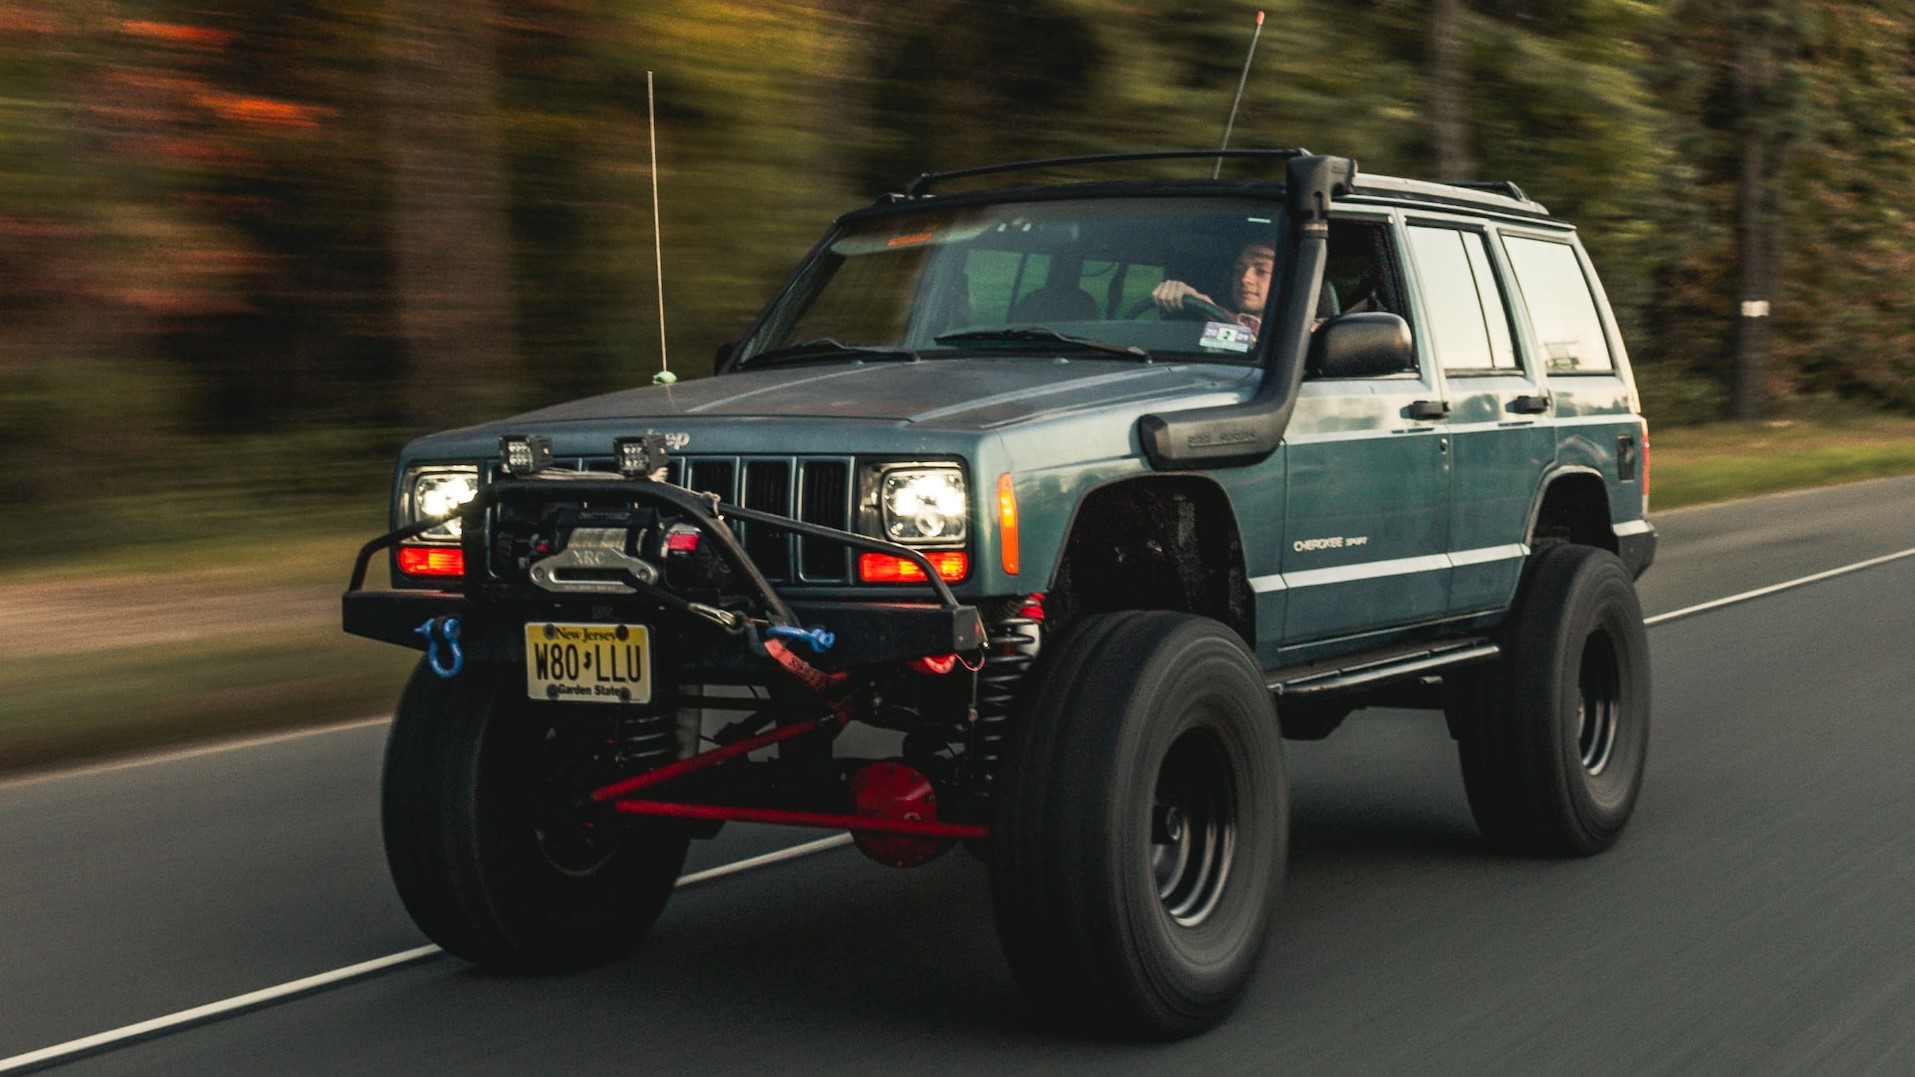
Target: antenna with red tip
x,y
1241,79
664,375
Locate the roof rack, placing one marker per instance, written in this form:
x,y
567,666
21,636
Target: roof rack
x,y
1507,187
918,186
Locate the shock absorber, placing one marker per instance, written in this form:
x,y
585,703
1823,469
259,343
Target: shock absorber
x,y
1011,645
647,741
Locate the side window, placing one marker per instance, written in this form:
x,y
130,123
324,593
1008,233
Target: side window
x,y
998,279
1361,273
1469,322
1134,282
1095,278
1361,270
1561,308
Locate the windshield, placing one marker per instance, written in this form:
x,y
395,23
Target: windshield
x,y
1164,277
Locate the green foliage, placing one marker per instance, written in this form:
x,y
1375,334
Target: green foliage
x,y
197,209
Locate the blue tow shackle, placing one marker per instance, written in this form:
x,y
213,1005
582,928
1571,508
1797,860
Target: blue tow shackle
x,y
442,630
820,639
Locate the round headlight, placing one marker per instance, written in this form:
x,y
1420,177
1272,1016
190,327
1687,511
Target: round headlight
x,y
435,493
924,505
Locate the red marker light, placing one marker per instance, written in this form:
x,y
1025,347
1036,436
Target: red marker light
x,y
1259,18
681,541
432,560
951,566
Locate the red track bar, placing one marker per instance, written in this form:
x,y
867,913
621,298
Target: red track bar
x,y
832,821
702,760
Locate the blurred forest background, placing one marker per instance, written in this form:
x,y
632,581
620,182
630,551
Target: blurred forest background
x,y
247,247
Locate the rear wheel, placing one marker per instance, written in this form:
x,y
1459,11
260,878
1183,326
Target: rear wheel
x,y
1140,824
1554,736
484,838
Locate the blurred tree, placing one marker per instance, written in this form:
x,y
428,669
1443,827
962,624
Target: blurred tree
x,y
1447,127
309,227
440,82
1845,320
1766,118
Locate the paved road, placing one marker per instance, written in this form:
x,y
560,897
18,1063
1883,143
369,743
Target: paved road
x,y
1759,916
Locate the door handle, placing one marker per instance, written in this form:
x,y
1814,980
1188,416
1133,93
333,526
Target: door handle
x,y
1529,405
1427,409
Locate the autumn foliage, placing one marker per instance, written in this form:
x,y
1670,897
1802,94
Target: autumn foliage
x,y
341,221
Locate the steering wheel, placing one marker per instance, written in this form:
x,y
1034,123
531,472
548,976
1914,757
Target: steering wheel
x,y
1192,304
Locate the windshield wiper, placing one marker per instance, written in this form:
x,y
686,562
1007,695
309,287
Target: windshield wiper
x,y
823,347
1037,334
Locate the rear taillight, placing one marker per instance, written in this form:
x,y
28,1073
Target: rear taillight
x,y
1645,467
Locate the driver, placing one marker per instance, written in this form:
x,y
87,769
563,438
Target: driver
x,y
1248,290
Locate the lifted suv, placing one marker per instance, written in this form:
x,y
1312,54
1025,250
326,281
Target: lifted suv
x,y
1066,501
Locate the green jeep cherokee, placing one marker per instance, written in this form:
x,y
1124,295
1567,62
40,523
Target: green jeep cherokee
x,y
1000,528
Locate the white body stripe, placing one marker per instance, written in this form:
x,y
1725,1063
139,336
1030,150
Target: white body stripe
x,y
1401,566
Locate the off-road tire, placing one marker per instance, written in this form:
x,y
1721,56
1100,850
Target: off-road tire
x,y
1081,823
463,837
1553,736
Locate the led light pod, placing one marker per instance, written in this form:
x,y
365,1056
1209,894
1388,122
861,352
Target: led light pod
x,y
525,454
640,457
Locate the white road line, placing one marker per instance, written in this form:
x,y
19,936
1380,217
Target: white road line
x,y
200,1014
1689,611
765,860
210,1010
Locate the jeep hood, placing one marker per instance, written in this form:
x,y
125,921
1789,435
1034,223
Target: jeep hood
x,y
953,394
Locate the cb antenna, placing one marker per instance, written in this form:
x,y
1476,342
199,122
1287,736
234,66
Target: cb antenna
x,y
665,375
1241,79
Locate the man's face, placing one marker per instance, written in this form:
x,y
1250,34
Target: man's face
x,y
1250,278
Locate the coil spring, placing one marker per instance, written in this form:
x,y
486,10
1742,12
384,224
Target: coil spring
x,y
648,741
1010,648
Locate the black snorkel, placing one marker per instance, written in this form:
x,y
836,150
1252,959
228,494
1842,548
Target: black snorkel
x,y
1236,434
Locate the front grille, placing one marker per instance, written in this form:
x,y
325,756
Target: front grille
x,y
814,489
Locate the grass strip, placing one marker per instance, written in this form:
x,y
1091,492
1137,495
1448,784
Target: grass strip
x,y
1729,461
72,707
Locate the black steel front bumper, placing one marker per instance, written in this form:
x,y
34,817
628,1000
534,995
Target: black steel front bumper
x,y
868,633
493,616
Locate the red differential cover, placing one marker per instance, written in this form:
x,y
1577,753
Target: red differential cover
x,y
895,791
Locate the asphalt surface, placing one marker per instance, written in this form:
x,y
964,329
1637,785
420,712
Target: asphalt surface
x,y
1758,917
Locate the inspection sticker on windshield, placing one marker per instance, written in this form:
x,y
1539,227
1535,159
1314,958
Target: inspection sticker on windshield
x,y
1227,337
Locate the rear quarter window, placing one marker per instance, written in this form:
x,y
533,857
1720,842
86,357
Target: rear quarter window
x,y
1562,310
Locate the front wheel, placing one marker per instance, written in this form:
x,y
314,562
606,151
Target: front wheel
x,y
484,840
1140,825
1553,737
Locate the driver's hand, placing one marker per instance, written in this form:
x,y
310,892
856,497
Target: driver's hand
x,y
1169,296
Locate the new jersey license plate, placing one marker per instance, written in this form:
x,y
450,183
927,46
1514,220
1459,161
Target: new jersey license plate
x,y
588,663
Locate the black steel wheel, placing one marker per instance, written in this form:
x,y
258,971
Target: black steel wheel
x,y
1140,825
483,840
1553,737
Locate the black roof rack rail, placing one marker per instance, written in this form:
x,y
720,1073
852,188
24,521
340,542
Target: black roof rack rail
x,y
1507,187
924,180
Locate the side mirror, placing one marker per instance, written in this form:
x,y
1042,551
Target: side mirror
x,y
722,359
1370,344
